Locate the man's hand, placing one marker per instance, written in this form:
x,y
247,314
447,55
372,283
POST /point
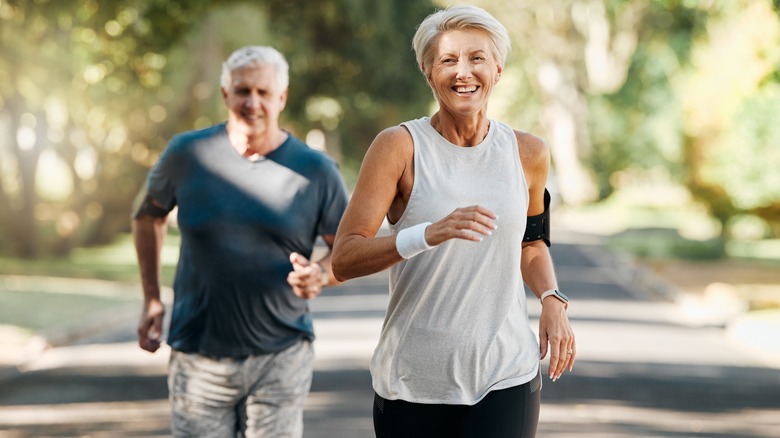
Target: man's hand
x,y
556,333
150,327
306,278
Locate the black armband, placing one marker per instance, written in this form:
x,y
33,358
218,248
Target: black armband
x,y
538,227
149,207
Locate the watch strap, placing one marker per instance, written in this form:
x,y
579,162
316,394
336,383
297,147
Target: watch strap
x,y
555,293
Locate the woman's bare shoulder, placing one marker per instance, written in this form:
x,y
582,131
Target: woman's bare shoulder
x,y
391,144
394,136
533,150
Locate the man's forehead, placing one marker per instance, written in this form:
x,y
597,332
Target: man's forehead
x,y
254,74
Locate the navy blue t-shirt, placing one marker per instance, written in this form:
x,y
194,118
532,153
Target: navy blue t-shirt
x,y
239,221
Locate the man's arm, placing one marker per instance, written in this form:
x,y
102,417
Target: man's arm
x,y
148,236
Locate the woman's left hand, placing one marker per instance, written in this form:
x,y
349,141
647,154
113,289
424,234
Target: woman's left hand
x,y
557,337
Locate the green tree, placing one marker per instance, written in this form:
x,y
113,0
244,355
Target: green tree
x,y
731,131
633,86
75,75
353,71
90,92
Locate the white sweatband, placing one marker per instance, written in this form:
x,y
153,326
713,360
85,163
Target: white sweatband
x,y
411,241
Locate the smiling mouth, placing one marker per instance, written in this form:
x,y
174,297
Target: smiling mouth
x,y
465,89
252,117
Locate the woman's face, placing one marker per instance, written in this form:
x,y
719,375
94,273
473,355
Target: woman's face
x,y
463,71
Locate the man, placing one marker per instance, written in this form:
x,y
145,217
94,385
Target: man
x,y
251,201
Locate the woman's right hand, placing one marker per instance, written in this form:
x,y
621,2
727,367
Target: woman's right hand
x,y
467,223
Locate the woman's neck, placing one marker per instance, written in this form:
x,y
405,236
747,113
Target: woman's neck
x,y
461,131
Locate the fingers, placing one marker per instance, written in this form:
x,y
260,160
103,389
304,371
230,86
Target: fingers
x,y
151,345
542,345
149,334
150,327
298,261
305,278
467,223
562,356
559,360
557,337
477,220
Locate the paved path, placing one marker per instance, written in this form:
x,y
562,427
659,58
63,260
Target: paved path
x,y
646,368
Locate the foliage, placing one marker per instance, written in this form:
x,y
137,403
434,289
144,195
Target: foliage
x,y
90,92
638,126
77,80
687,86
355,72
699,101
732,130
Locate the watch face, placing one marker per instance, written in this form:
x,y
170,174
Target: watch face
x,y
561,295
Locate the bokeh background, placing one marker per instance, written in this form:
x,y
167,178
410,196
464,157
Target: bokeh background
x,y
663,118
667,107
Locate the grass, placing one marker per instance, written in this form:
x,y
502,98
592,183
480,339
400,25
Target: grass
x,y
49,294
682,245
660,227
114,262
39,311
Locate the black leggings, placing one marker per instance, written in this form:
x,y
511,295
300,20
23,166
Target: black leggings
x,y
506,413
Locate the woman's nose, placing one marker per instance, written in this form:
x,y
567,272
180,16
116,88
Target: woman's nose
x,y
464,70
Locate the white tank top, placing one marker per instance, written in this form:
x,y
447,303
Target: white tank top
x,y
456,326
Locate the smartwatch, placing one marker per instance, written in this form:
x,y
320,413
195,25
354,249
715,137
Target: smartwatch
x,y
557,294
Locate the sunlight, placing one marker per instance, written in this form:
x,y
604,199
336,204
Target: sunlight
x,y
53,179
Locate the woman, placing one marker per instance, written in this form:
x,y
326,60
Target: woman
x,y
464,196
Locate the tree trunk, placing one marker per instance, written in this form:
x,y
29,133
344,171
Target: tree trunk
x,y
24,229
564,117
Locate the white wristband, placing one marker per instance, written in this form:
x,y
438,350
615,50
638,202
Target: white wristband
x,y
411,241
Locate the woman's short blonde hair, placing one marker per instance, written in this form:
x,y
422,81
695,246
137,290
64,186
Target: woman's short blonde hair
x,y
458,18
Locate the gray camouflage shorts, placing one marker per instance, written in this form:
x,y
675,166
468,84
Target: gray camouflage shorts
x,y
258,396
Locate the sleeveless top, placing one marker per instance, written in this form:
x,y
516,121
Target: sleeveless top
x,y
456,326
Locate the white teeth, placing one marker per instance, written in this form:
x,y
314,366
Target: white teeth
x,y
470,89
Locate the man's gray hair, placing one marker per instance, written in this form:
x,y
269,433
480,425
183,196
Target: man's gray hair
x,y
458,17
256,55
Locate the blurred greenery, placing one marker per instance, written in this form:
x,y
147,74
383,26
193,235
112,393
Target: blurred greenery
x,y
55,310
640,99
94,281
114,262
90,93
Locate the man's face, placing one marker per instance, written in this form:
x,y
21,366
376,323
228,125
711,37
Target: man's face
x,y
253,99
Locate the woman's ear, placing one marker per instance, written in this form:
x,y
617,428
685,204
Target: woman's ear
x,y
426,73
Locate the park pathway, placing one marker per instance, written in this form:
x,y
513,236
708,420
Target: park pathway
x,y
646,367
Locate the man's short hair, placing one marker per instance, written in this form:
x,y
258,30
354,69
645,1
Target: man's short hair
x,y
256,55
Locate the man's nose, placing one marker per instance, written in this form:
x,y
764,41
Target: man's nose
x,y
253,100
